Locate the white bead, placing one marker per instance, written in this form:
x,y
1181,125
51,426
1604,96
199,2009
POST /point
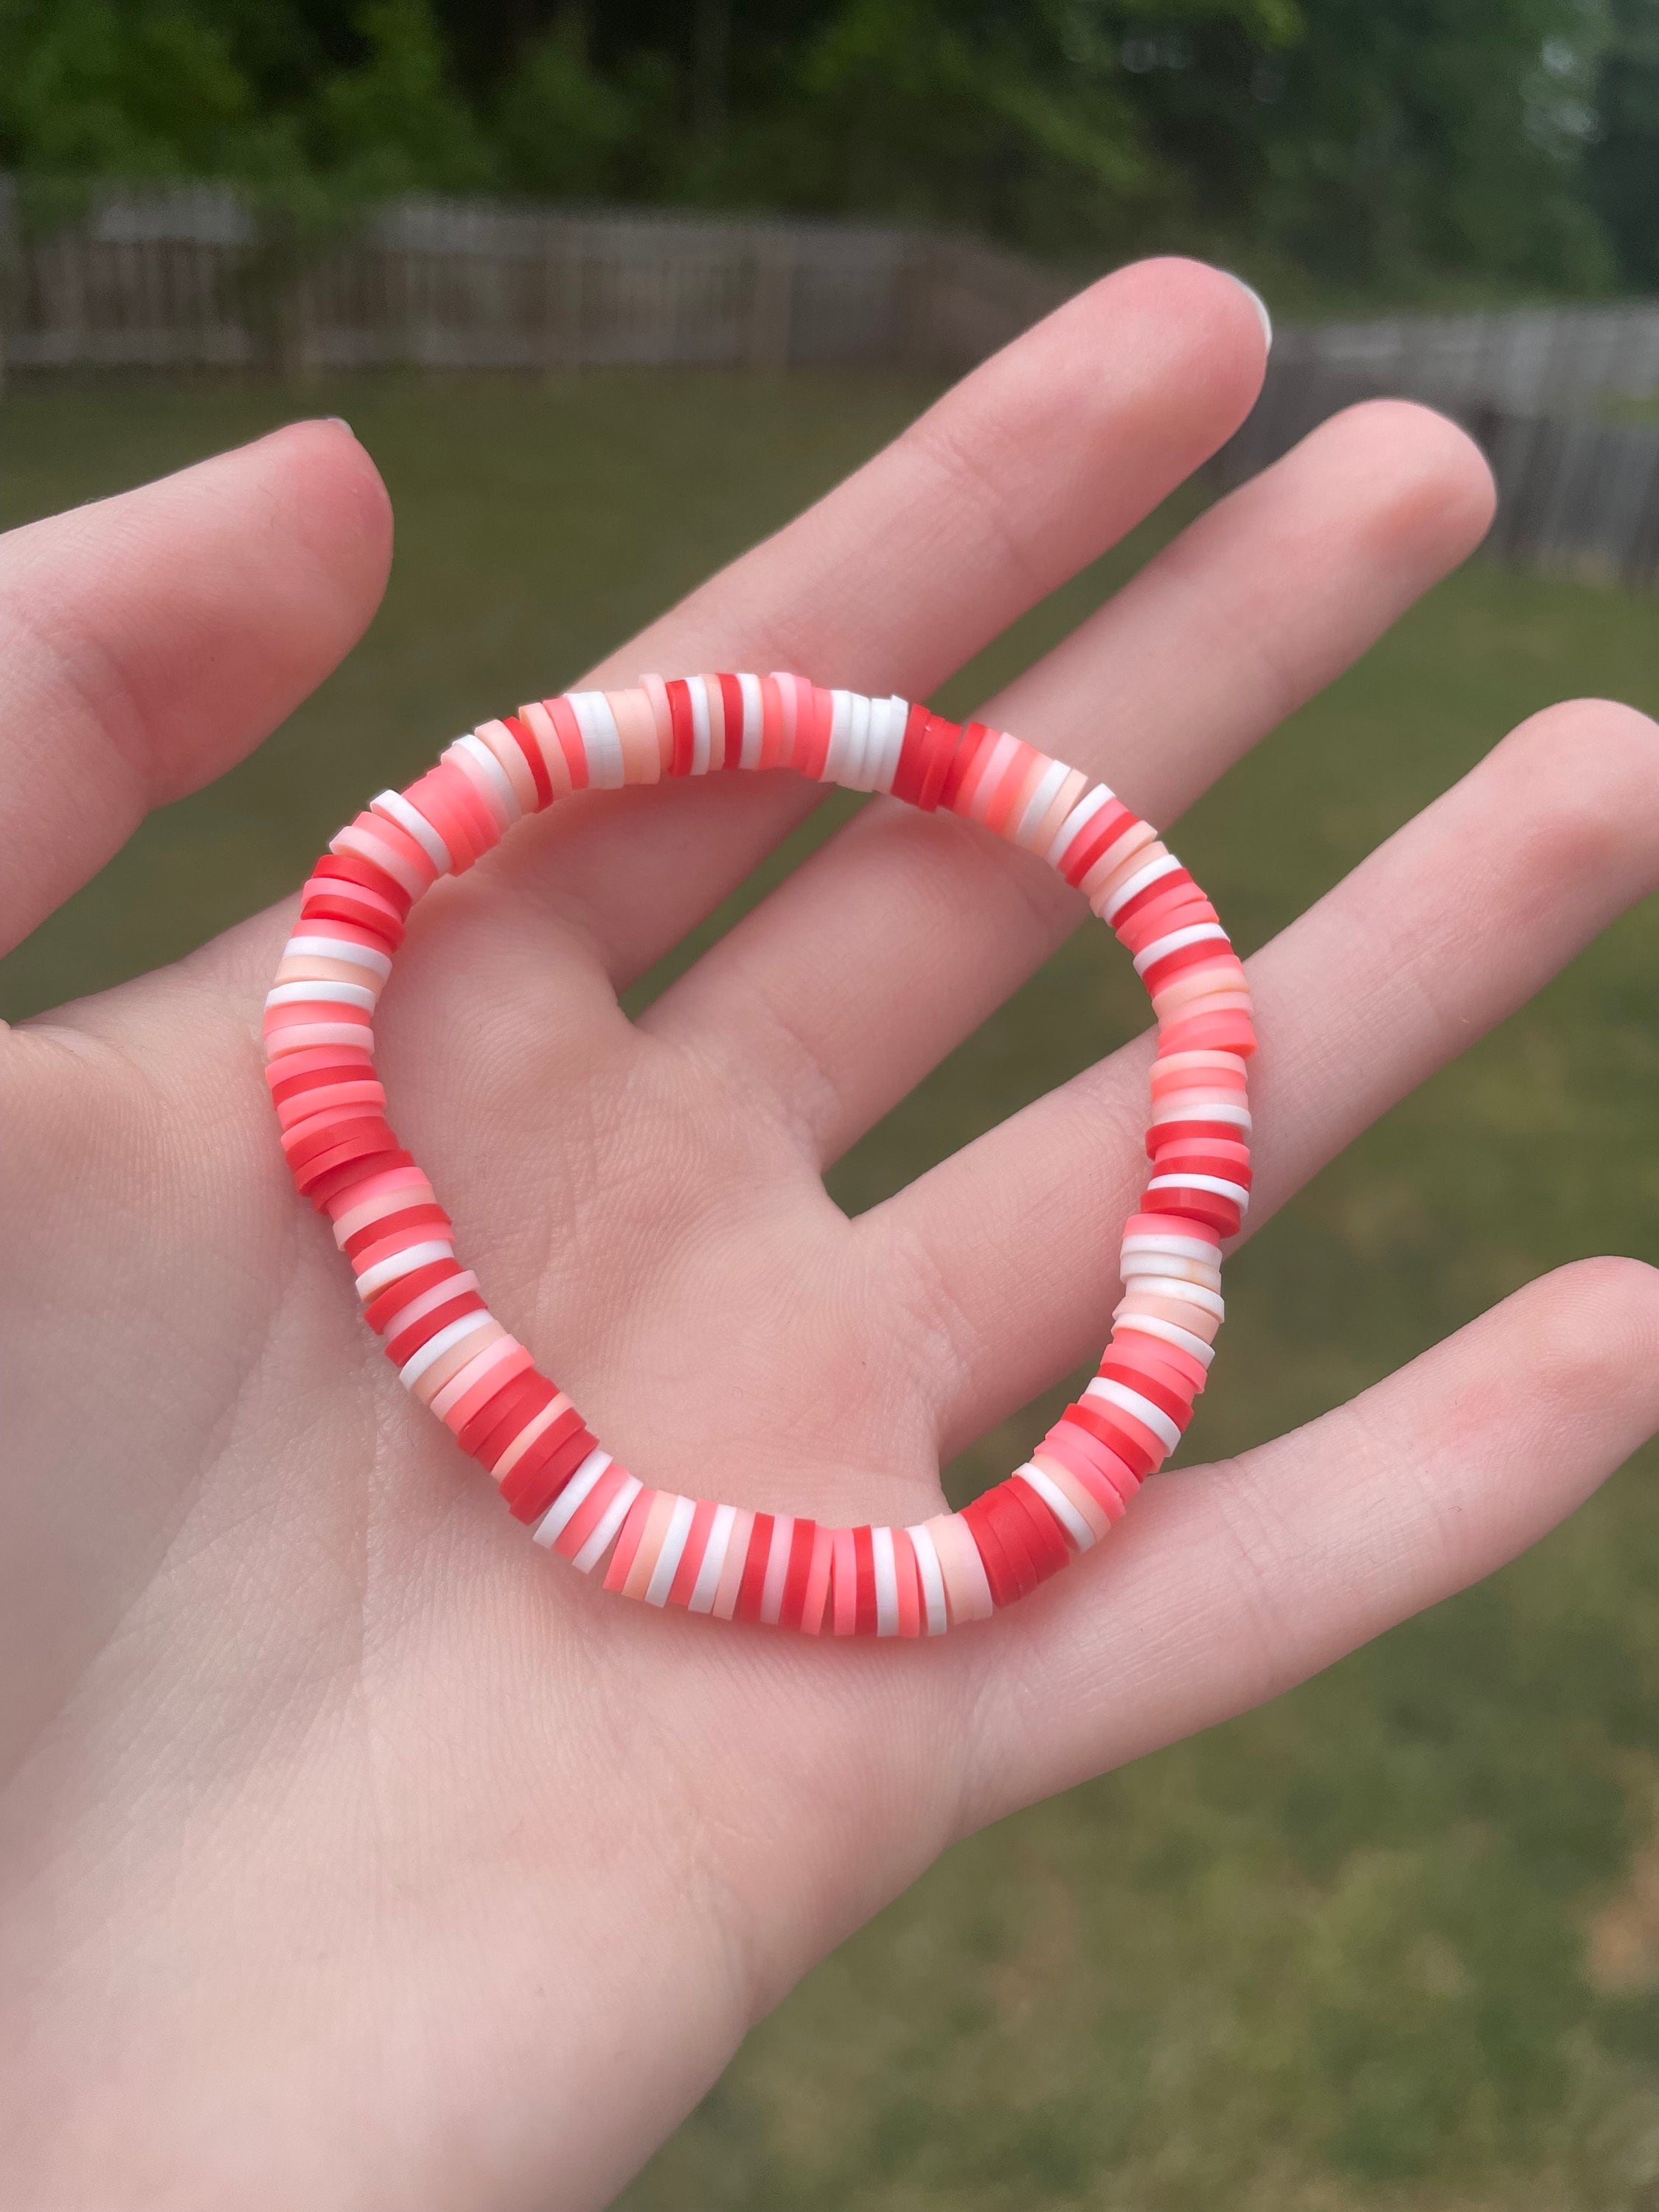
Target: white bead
x,y
887,719
931,1578
338,948
777,1568
1171,1333
1168,1268
713,1560
673,1550
403,1263
1132,886
1104,1391
1059,1504
435,1346
886,1575
601,739
858,747
1205,1249
562,1511
701,739
1041,800
1084,812
495,774
1197,932
375,1278
509,756
328,994
841,726
1173,1286
453,1286
753,719
1236,1191
1171,1109
605,1527
396,808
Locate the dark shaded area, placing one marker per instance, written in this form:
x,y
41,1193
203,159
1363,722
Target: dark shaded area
x,y
1398,147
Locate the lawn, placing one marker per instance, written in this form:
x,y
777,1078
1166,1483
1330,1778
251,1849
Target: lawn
x,y
1394,1942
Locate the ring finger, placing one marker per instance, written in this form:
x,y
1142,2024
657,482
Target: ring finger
x,y
838,993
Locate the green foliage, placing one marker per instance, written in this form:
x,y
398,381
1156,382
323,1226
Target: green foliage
x,y
394,123
565,131
1624,163
90,87
1341,1955
1381,147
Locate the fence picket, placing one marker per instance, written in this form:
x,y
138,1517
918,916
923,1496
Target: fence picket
x,y
182,278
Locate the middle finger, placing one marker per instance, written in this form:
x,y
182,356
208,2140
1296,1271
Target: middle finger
x,y
897,938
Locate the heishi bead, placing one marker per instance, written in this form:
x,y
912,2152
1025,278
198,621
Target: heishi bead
x,y
658,1546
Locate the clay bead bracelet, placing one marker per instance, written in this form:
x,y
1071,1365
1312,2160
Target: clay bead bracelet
x,y
451,1352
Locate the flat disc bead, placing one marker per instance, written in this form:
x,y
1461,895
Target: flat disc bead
x,y
658,1546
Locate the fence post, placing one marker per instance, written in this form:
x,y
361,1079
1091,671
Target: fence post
x,y
921,283
11,269
569,266
771,296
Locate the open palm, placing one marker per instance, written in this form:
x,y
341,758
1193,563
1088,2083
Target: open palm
x,y
352,1853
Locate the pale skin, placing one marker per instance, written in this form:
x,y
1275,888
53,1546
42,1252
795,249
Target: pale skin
x,y
353,1853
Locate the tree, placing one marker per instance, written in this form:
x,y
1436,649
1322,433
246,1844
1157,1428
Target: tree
x,y
1624,163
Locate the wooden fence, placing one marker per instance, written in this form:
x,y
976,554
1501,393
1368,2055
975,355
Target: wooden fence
x,y
191,278
1529,360
1573,492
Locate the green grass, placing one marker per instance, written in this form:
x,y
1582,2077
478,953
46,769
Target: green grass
x,y
1394,1942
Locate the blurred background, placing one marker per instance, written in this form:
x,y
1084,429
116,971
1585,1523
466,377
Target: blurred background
x,y
610,291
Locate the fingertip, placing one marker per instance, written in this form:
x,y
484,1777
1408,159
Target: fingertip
x,y
278,554
1595,1333
336,502
1442,494
1207,312
1589,832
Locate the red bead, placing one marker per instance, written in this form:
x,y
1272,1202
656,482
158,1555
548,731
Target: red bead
x,y
352,868
391,1300
313,1067
1098,832
1116,1368
402,1348
1207,1207
999,1571
907,776
339,905
679,715
864,1557
534,1483
493,1427
350,1173
551,1441
752,1588
800,1566
350,1126
628,1543
424,1213
971,740
732,702
1127,1439
1046,1539
524,738
1127,913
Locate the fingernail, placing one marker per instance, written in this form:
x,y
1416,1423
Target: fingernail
x,y
1258,304
351,433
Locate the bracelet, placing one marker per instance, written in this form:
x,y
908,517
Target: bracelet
x,y
451,1352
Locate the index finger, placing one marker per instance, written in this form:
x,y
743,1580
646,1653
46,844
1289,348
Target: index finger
x,y
1016,478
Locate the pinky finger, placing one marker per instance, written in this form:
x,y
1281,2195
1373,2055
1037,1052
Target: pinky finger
x,y
1231,1584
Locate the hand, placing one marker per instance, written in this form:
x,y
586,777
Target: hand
x,y
353,1853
